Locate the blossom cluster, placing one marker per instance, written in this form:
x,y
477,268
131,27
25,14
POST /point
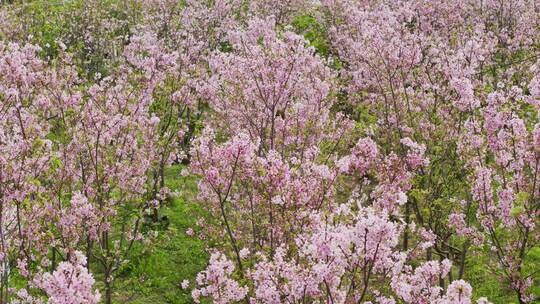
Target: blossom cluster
x,y
346,151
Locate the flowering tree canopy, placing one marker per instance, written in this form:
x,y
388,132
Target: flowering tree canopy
x,y
341,151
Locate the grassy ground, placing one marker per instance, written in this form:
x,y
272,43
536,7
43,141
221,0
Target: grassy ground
x,y
155,275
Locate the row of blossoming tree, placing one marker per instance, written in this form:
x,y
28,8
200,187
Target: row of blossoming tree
x,y
347,151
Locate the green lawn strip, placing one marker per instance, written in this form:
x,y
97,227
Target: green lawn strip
x,y
154,276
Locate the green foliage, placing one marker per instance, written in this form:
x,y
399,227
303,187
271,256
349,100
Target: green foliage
x,y
314,32
43,23
154,273
485,283
94,31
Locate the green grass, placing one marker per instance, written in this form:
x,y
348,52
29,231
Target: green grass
x,y
155,275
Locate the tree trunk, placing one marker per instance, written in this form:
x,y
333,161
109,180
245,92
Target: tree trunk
x,y
462,260
88,252
108,286
407,222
